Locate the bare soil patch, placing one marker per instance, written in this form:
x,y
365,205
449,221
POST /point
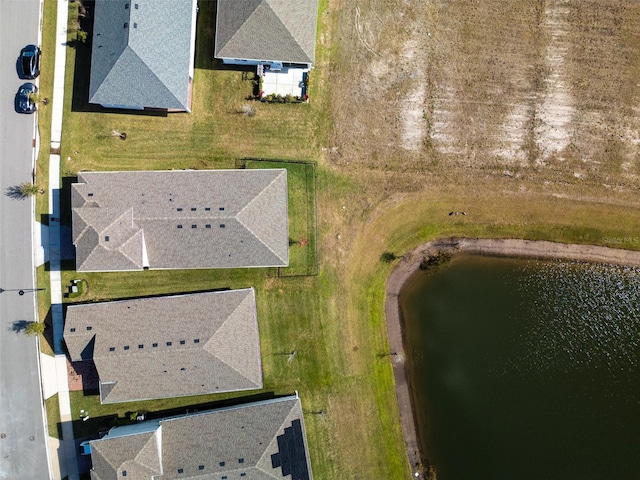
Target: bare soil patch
x,y
542,90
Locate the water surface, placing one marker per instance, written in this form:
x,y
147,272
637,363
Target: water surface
x,y
523,369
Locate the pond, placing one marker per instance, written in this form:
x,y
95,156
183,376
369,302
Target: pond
x,y
524,369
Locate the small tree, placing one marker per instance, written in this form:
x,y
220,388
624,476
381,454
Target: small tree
x,y
388,257
34,329
81,35
28,189
35,97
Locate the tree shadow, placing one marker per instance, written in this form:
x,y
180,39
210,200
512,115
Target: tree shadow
x,y
15,193
20,326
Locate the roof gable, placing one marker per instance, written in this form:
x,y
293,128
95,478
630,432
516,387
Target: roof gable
x,y
276,30
138,455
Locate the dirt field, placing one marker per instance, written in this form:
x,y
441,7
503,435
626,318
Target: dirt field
x,y
528,89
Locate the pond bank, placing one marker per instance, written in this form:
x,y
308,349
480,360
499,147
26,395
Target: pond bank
x,y
411,262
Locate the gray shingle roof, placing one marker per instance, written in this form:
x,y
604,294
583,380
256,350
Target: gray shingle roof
x,y
180,219
169,346
276,30
265,440
141,53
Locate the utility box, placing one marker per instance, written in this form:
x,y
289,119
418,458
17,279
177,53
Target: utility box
x,y
85,448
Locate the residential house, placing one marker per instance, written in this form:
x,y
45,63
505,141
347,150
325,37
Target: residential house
x,y
278,36
143,53
180,219
170,346
261,441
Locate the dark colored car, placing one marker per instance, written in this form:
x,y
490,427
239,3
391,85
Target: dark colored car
x,y
29,62
24,101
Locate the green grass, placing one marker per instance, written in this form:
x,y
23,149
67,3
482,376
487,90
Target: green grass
x,y
102,417
303,234
44,111
53,416
44,308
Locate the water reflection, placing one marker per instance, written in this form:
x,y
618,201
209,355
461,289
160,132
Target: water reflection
x,y
526,370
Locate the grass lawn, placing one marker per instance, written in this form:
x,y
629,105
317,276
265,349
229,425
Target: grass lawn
x,y
323,335
303,231
53,416
44,308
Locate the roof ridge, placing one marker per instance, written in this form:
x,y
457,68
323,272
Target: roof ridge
x,y
253,200
243,375
154,74
144,448
286,28
275,439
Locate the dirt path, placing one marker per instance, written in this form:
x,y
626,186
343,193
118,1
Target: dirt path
x,y
493,247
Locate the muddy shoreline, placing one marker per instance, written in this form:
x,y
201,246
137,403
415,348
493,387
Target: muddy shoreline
x,y
410,263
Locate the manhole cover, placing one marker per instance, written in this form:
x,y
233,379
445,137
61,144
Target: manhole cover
x,y
32,438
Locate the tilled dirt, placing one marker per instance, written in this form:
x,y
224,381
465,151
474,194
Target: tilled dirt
x,y
546,90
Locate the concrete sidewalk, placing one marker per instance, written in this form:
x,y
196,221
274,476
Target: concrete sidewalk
x,y
54,369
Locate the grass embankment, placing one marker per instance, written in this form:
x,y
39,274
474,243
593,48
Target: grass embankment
x,y
42,162
374,196
53,416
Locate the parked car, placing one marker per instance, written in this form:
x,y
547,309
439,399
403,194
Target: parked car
x,y
29,62
24,98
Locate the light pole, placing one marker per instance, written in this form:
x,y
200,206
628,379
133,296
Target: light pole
x,y
21,291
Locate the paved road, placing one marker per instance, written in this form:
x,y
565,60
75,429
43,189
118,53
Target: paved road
x,y
22,436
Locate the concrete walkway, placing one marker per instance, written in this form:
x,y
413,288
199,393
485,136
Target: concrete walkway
x,y
54,370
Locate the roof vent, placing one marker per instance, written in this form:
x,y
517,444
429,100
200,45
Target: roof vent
x,y
89,194
135,25
194,226
126,24
180,470
221,209
169,344
106,238
207,209
141,346
181,342
222,225
222,464
112,349
154,345
200,467
136,6
208,225
89,328
179,226
193,209
72,330
126,6
126,347
196,340
179,209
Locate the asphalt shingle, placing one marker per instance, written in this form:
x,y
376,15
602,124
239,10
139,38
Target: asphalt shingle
x,y
169,346
180,219
141,53
269,30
